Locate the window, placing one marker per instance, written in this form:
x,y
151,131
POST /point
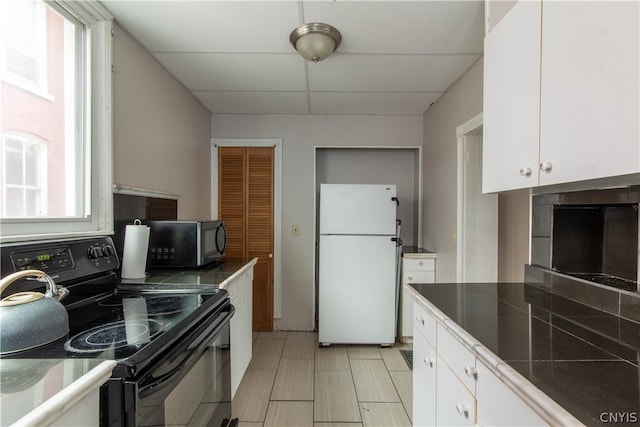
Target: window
x,y
25,169
24,51
55,65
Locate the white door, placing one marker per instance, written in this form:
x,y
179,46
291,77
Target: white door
x,y
357,209
357,290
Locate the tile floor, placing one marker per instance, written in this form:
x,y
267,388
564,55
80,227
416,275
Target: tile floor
x,y
291,381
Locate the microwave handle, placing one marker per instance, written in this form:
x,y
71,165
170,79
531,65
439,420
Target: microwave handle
x,y
151,385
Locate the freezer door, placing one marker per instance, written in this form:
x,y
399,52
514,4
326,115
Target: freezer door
x,y
357,209
357,281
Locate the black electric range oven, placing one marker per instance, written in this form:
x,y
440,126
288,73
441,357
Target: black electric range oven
x,y
172,346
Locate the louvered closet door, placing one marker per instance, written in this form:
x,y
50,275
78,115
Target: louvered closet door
x,y
246,204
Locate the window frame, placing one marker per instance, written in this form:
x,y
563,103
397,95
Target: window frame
x,y
98,122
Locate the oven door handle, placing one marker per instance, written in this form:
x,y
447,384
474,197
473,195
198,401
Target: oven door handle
x,y
194,348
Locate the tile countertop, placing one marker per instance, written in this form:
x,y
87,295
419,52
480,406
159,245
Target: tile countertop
x,y
586,360
38,391
217,274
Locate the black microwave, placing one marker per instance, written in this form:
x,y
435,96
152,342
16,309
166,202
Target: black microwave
x,y
185,243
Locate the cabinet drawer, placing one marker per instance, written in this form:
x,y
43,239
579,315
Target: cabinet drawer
x,y
461,361
422,264
424,323
455,405
414,276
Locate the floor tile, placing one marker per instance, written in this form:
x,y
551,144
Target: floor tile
x,y
276,335
372,381
364,352
393,359
337,425
289,414
266,353
252,397
384,415
332,359
403,380
300,344
294,380
335,397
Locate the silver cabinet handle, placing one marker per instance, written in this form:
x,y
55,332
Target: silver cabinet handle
x,y
471,371
525,171
428,361
463,409
546,167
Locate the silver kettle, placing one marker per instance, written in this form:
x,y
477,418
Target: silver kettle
x,y
31,319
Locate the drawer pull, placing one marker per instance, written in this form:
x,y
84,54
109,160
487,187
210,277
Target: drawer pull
x,y
471,371
420,319
410,278
428,361
463,409
420,263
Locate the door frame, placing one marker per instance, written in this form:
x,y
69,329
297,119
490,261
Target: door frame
x,y
276,143
469,150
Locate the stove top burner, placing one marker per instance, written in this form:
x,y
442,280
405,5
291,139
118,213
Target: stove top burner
x,y
115,335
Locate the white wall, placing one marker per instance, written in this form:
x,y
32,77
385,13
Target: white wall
x,y
161,132
459,104
300,134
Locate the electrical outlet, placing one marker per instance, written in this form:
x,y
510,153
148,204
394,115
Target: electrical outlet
x,y
295,230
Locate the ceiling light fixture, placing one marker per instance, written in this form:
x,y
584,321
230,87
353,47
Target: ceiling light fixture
x,y
315,41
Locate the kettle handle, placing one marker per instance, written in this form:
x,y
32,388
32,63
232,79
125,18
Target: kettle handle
x,y
52,290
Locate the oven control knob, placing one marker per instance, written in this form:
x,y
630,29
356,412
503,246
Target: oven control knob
x,y
95,252
108,250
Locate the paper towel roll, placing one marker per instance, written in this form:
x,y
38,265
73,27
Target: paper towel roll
x,y
134,254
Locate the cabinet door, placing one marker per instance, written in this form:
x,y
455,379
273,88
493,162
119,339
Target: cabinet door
x,y
590,86
424,381
455,405
499,406
512,100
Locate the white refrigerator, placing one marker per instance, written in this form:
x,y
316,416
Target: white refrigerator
x,y
357,264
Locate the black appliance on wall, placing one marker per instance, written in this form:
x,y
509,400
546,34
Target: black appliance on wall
x,y
185,243
171,346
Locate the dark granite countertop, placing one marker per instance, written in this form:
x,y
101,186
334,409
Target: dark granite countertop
x,y
584,359
216,274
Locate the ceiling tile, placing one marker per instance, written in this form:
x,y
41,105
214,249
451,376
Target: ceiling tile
x,y
372,103
393,73
209,26
254,102
403,26
229,71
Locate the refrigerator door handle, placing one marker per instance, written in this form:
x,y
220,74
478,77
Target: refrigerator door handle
x,y
397,240
395,199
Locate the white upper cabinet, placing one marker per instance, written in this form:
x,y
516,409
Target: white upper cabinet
x,y
512,100
589,92
561,99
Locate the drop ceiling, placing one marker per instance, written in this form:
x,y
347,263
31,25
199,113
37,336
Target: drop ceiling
x,y
396,57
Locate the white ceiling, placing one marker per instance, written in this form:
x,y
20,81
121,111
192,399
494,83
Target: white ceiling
x,y
396,57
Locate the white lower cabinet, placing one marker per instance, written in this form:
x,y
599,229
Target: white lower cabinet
x,y
416,268
424,381
455,404
499,406
241,294
452,387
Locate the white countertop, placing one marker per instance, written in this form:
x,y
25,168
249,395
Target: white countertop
x,y
35,392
